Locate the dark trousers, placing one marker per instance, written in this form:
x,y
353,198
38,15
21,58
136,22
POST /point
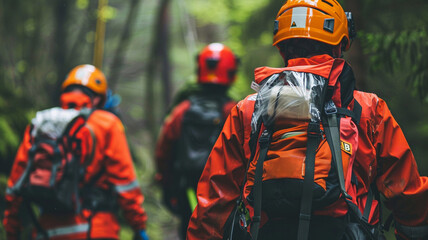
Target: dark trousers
x,y
321,227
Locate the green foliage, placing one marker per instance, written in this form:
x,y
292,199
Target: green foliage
x,y
107,13
10,139
82,4
226,11
13,119
401,54
42,40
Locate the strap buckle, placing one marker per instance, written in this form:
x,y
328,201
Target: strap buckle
x,y
305,217
264,138
330,108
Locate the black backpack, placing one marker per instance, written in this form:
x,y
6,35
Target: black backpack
x,y
201,126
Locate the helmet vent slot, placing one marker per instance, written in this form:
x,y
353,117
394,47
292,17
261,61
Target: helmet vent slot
x,y
212,63
324,1
329,25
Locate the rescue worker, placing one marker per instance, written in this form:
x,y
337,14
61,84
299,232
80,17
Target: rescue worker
x,y
189,132
314,33
116,185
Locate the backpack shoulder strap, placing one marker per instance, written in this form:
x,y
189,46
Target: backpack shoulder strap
x,y
331,127
85,113
264,142
24,177
34,220
253,143
314,138
332,132
90,156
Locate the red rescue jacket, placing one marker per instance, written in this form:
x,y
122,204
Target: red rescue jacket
x,y
383,157
111,154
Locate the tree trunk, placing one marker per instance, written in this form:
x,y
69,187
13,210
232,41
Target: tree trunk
x,y
151,67
123,44
60,45
166,68
88,24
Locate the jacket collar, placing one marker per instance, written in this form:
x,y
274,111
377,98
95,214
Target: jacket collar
x,y
320,65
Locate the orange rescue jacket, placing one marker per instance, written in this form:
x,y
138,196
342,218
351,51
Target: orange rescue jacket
x,y
383,157
112,156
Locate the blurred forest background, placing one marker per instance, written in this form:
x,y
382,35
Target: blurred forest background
x,y
149,53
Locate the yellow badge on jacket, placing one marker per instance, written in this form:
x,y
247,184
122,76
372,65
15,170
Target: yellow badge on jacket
x,y
346,147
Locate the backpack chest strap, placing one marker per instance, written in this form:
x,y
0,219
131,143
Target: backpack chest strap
x,y
355,114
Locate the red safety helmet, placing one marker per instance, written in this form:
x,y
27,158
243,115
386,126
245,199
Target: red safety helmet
x,y
320,20
217,65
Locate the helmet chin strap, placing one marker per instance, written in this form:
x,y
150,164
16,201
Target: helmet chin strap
x,y
337,51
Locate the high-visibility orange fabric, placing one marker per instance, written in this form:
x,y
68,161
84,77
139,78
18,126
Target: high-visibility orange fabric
x,y
279,164
383,157
112,154
76,100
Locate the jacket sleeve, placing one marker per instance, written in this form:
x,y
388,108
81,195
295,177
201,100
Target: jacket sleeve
x,y
399,180
120,173
219,185
227,108
167,140
11,221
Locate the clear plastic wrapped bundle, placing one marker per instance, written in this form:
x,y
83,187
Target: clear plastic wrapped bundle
x,y
289,95
53,121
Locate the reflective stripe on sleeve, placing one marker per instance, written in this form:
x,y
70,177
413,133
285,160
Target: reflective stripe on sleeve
x,y
80,228
9,191
126,187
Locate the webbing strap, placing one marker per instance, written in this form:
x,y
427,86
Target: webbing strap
x,y
333,138
363,224
355,114
314,137
76,172
253,145
40,231
264,142
25,174
332,133
56,163
368,207
90,157
364,219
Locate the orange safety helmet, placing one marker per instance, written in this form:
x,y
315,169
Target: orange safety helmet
x,y
217,65
320,20
88,76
